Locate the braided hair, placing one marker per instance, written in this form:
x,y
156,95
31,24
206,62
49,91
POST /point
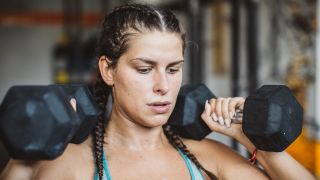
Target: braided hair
x,y
117,28
176,142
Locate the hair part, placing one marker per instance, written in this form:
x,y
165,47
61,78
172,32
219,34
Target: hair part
x,y
129,19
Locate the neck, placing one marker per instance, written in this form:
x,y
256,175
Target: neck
x,y
123,133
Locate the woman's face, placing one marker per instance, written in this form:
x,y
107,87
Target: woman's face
x,y
148,77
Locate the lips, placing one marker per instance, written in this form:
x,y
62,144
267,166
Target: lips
x,y
160,107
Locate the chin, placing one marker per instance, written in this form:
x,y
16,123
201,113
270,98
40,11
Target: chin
x,y
158,120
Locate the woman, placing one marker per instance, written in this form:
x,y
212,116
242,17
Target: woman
x,y
140,63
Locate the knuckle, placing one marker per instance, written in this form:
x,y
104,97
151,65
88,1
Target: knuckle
x,y
220,99
212,101
240,98
226,114
203,116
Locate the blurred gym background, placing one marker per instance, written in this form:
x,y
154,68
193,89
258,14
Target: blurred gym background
x,y
235,47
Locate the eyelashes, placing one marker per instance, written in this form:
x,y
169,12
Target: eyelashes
x,y
146,70
173,70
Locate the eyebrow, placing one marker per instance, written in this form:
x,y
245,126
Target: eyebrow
x,y
151,62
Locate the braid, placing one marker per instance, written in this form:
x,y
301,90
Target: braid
x,y
101,92
176,142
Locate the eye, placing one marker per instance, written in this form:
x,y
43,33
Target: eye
x,y
144,70
173,70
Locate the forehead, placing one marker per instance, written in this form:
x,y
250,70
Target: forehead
x,y
155,45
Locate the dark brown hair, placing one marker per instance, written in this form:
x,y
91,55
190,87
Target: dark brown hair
x,y
117,28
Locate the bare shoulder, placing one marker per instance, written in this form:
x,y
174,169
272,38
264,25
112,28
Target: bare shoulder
x,y
211,153
76,162
220,159
16,169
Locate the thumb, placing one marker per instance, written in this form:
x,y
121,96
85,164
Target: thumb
x,y
73,103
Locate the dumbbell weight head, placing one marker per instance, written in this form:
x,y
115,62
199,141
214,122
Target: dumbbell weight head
x,y
36,122
87,109
272,118
186,116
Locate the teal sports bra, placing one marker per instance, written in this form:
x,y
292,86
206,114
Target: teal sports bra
x,y
195,173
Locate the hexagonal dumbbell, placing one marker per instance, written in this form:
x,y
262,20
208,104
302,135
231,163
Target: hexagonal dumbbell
x,y
186,116
272,117
86,109
37,122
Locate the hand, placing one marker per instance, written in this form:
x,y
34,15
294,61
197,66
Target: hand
x,y
218,115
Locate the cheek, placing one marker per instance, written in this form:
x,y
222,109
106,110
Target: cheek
x,y
131,84
176,83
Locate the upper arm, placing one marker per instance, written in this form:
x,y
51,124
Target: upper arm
x,y
236,169
235,166
16,170
223,161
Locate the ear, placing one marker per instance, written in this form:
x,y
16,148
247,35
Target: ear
x,y
106,70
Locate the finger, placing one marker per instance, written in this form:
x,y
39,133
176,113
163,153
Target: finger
x,y
207,108
225,111
213,109
219,110
207,119
239,102
232,107
213,126
206,115
235,104
73,103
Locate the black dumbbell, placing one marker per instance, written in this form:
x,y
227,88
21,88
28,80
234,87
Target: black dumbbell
x,y
37,122
87,109
272,117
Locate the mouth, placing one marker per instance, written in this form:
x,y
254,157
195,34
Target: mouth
x,y
160,107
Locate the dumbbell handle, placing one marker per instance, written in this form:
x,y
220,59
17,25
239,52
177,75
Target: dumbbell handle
x,y
237,117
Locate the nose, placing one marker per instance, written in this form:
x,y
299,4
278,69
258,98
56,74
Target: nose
x,y
161,85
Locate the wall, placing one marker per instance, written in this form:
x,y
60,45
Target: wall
x,y
25,54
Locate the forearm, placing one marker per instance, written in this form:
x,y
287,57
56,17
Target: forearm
x,y
278,165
